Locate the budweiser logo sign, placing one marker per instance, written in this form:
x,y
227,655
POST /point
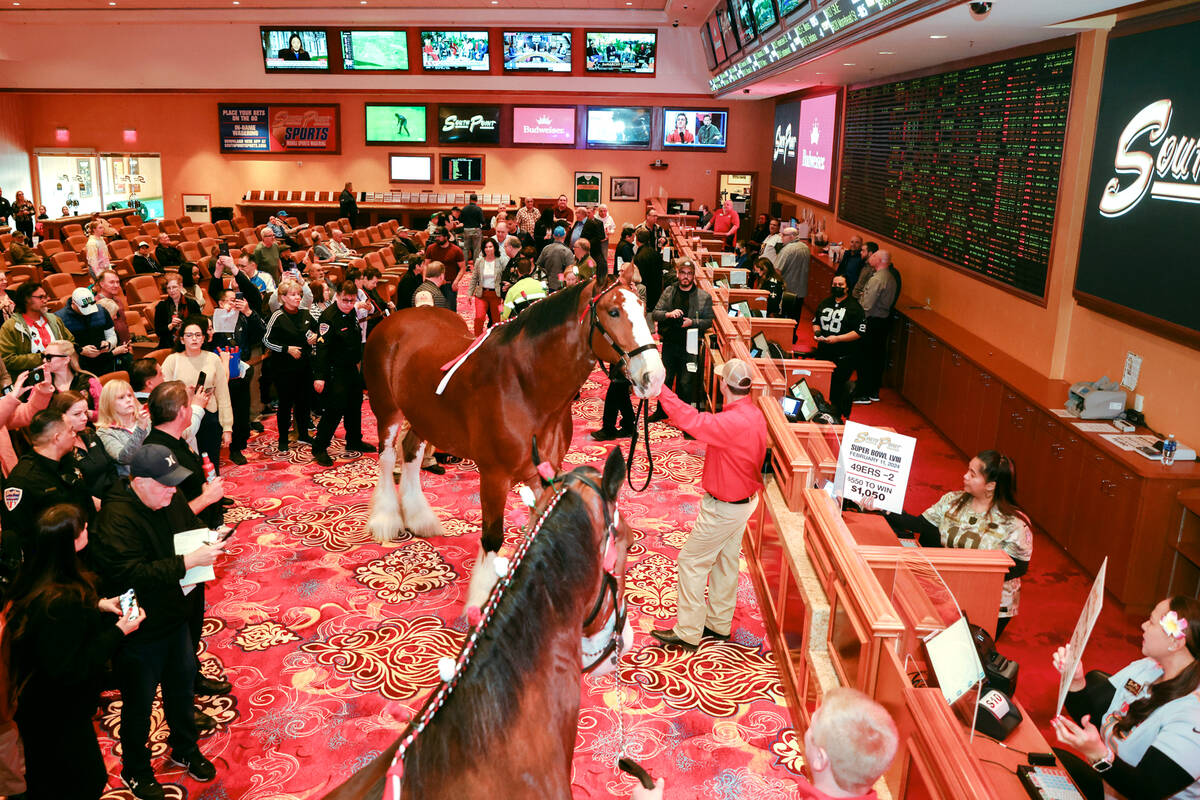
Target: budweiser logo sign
x,y
1173,173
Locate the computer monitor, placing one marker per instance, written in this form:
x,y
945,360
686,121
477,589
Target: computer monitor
x,y
743,309
804,404
759,347
954,659
737,277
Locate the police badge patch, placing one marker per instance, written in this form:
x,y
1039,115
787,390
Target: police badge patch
x,y
1133,687
12,497
323,328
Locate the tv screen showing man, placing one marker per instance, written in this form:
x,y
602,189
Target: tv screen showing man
x,y
693,128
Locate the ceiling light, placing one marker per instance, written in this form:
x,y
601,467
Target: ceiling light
x,y
16,4
848,65
818,73
886,53
937,36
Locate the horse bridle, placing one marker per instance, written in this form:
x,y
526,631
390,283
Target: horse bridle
x,y
643,410
608,586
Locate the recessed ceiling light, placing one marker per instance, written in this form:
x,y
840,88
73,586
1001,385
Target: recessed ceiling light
x,y
111,2
937,36
16,4
850,64
886,53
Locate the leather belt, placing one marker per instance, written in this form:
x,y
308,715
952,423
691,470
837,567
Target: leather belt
x,y
743,501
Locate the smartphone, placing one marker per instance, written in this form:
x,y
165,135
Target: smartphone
x,y
6,389
223,248
129,605
239,295
36,376
201,380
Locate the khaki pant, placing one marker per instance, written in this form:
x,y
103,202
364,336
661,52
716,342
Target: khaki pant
x,y
427,461
710,558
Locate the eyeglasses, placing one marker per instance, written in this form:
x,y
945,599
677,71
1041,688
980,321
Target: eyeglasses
x,y
41,296
194,335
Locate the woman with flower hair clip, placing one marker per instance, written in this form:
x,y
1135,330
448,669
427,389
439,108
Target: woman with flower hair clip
x,y
1147,745
984,515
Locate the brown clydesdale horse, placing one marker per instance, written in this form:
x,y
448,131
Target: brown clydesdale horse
x,y
516,387
504,726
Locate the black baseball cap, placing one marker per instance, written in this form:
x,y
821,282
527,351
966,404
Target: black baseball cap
x,y
157,462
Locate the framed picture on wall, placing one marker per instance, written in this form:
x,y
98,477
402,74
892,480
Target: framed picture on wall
x,y
587,188
624,189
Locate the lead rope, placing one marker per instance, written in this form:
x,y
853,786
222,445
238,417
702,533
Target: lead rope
x,y
643,412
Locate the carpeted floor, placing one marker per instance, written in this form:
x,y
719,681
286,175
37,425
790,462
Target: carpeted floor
x,y
319,628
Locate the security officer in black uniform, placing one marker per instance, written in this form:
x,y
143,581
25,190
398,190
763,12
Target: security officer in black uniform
x,y
38,481
336,374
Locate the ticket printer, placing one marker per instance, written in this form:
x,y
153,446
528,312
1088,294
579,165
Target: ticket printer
x,y
1100,399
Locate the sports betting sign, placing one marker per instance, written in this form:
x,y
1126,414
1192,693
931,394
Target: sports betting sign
x,y
275,128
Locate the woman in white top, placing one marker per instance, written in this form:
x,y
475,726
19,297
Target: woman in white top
x,y
216,428
123,424
485,284
610,224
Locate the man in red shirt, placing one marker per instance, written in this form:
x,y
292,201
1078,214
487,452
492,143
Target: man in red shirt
x,y
725,222
737,445
849,744
451,255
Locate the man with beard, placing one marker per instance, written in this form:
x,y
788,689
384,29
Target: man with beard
x,y
681,307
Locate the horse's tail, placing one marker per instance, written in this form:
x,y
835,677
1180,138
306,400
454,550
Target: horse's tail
x,y
386,519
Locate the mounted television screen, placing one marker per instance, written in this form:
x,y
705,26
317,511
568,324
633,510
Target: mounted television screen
x,y
633,53
291,49
728,25
788,6
764,15
374,50
693,128
469,124
747,32
465,51
714,35
389,124
543,125
706,47
619,127
537,51
410,168
462,169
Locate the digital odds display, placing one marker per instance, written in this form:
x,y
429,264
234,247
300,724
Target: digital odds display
x,y
1144,191
693,129
294,50
469,124
393,124
455,51
533,51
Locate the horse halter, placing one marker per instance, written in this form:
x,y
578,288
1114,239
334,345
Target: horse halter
x,y
626,357
608,585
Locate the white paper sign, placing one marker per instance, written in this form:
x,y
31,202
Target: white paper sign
x,y
874,463
1083,631
224,321
185,543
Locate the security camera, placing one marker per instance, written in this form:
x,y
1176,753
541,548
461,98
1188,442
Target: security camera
x,y
675,24
979,11
745,91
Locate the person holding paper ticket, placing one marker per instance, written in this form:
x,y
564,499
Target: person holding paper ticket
x,y
1147,744
683,308
134,549
983,516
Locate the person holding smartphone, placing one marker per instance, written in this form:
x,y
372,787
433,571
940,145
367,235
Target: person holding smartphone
x,y
19,401
204,369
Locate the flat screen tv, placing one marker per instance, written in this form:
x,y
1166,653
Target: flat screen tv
x,y
633,53
537,51
462,169
693,129
455,51
728,22
765,17
468,124
706,47
788,6
623,126
415,169
394,124
543,125
295,49
714,35
382,51
744,14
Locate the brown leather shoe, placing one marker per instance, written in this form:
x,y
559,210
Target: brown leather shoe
x,y
668,637
709,633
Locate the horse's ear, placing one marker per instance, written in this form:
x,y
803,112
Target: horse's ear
x,y
614,474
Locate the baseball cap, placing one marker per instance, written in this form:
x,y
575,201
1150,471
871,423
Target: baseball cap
x,y
143,244
735,372
84,300
559,230
281,213
157,462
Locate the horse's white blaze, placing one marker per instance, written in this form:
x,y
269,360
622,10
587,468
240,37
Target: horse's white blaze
x,y
418,516
386,518
646,366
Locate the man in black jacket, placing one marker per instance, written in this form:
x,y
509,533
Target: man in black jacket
x,y
650,265
335,374
167,254
134,548
348,204
593,231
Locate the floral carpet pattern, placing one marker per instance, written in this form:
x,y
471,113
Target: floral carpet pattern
x,y
320,629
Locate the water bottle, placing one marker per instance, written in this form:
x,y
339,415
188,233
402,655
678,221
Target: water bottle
x,y
1168,451
210,472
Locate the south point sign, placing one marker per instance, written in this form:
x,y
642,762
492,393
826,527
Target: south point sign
x,y
1171,174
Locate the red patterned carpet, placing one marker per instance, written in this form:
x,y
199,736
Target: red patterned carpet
x,y
318,628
